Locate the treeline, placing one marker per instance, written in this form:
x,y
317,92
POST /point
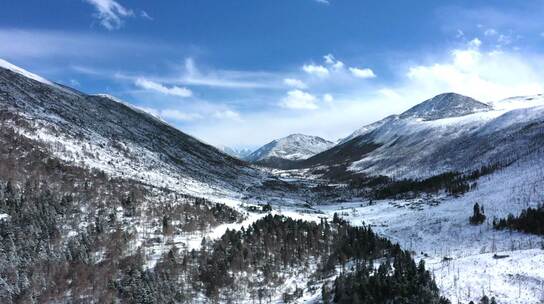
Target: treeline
x,y
57,246
531,220
453,183
250,264
399,281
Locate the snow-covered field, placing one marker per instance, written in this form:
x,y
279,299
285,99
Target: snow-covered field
x,y
460,255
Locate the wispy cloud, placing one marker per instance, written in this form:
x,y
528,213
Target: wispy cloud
x,y
178,115
227,114
20,44
110,13
323,1
295,83
170,114
226,78
145,15
157,87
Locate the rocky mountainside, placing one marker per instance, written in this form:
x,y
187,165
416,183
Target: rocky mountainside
x,y
444,106
449,132
104,133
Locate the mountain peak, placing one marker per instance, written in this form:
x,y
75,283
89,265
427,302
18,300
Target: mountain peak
x,y
445,105
292,147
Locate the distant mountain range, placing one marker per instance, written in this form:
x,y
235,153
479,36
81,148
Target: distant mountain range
x,y
439,134
294,147
240,153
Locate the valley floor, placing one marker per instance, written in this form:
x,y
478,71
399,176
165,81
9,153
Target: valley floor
x,y
467,261
460,255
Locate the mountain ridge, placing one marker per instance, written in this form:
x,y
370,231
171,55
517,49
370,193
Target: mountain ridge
x,y
105,133
292,148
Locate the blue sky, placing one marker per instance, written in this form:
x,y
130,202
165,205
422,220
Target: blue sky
x,y
241,73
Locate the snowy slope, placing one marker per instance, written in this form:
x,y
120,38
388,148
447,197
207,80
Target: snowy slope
x,y
447,133
368,128
435,227
104,133
292,147
8,66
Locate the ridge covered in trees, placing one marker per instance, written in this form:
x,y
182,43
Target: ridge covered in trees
x,y
531,220
453,183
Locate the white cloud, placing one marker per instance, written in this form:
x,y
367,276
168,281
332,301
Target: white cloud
x,y
475,43
490,32
178,115
329,59
157,87
333,62
323,1
227,114
317,70
338,65
479,74
295,83
110,13
362,73
328,98
299,100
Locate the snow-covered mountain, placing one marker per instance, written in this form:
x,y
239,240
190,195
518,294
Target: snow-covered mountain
x,y
291,148
367,128
444,106
439,107
104,133
449,132
240,153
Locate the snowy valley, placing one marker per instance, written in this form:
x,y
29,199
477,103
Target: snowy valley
x,y
103,202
